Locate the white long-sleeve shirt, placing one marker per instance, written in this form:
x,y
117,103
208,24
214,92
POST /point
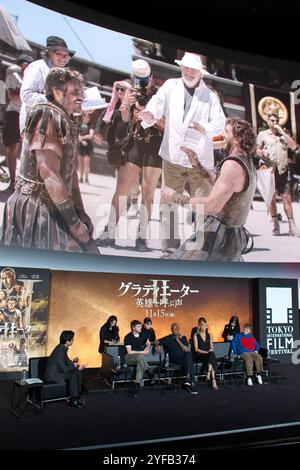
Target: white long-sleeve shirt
x,y
32,90
205,109
13,81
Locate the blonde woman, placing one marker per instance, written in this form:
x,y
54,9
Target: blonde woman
x,y
204,351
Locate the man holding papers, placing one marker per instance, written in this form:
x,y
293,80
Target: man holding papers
x,y
183,102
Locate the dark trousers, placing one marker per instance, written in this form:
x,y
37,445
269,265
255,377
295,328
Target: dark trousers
x,y
73,379
186,362
207,359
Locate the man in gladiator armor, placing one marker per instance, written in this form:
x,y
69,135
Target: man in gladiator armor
x,y
46,210
8,282
227,206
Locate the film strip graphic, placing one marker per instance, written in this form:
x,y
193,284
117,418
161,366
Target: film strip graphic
x,y
269,316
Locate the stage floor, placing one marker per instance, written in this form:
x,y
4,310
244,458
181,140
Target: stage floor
x,y
108,420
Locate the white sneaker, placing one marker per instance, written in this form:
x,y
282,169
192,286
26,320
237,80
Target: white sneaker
x,y
259,379
249,382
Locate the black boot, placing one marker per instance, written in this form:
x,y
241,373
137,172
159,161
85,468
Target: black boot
x,y
81,402
76,403
141,245
103,240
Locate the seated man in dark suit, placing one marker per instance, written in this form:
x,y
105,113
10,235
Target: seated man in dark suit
x,y
177,347
61,369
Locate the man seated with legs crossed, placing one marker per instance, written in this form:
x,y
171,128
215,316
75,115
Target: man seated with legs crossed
x,y
244,345
61,369
177,347
137,347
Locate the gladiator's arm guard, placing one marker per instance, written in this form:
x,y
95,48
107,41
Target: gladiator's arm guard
x,y
181,199
85,219
76,194
78,205
204,173
68,212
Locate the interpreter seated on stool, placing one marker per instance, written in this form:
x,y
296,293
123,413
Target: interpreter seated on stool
x,y
177,347
137,347
244,345
61,369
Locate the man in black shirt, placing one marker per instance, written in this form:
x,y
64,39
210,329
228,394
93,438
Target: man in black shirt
x,y
137,347
177,347
148,330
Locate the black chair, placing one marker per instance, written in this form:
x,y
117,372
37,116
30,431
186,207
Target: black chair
x,y
156,362
232,369
123,373
237,372
221,350
50,391
200,370
109,360
270,364
170,375
119,371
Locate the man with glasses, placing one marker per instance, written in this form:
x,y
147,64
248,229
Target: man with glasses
x,y
272,147
184,102
56,54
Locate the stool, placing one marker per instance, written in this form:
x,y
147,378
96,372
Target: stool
x,y
19,398
235,369
169,373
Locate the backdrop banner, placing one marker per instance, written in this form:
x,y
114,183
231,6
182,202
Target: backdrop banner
x,y
83,301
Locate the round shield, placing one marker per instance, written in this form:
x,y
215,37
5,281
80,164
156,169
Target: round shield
x,y
270,104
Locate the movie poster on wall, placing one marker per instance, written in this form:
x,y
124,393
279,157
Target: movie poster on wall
x,y
24,297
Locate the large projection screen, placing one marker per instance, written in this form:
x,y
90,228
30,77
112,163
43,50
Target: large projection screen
x,y
128,184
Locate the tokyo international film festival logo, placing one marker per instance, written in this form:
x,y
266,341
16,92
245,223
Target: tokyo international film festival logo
x,y
280,326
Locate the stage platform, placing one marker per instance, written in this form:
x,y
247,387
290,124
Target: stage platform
x,y
214,418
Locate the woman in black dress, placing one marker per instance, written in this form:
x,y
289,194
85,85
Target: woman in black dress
x,y
109,333
231,329
204,351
